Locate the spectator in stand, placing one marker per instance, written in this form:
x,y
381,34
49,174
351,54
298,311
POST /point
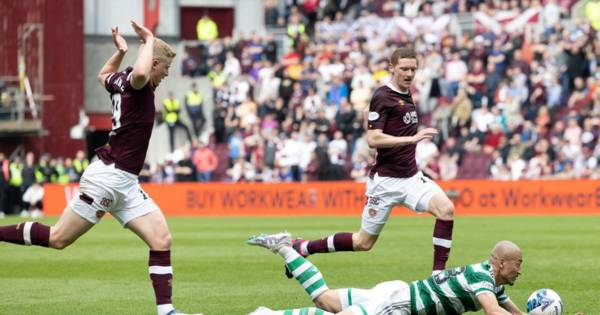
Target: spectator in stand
x,y
360,96
80,163
190,65
360,169
194,105
242,171
15,184
338,149
232,68
270,48
476,81
219,116
45,170
448,166
312,104
28,172
271,13
171,116
344,118
289,156
236,146
185,170
32,201
206,28
4,180
456,71
61,174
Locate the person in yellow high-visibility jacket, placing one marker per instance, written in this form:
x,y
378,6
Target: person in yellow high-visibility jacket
x,y
592,12
194,105
15,186
170,111
80,163
206,28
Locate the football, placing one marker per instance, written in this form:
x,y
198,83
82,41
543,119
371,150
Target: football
x,y
544,302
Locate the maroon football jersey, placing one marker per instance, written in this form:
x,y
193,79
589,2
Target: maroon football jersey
x,y
132,122
396,114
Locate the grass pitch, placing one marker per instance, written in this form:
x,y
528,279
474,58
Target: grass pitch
x,y
105,272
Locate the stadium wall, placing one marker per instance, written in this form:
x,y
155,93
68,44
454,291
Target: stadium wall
x,y
63,67
471,197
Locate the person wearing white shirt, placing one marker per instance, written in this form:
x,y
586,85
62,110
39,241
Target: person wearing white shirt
x,y
232,66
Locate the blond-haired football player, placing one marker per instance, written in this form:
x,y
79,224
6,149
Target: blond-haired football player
x,y
111,183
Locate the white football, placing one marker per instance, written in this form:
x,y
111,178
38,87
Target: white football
x,y
544,302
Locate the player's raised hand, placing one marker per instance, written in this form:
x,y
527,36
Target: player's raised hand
x,y
142,31
426,133
119,41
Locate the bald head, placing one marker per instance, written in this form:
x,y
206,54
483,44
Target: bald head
x,y
506,259
506,250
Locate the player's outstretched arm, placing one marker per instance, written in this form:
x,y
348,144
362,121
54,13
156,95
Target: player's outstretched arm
x,y
114,62
512,308
143,64
490,305
377,139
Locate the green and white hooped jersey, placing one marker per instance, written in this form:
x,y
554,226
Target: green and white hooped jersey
x,y
454,291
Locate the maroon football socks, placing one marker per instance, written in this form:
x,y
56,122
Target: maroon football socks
x,y
27,233
340,242
161,274
442,242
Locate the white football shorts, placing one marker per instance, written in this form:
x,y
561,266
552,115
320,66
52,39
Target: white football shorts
x,y
383,193
386,298
104,188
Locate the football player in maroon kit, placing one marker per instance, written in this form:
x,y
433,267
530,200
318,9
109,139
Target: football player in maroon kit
x,y
111,184
393,129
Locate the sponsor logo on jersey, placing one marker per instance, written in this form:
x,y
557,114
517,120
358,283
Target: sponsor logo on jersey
x,y
372,212
401,102
410,117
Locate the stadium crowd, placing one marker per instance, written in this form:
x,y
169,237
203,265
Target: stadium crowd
x,y
523,104
509,105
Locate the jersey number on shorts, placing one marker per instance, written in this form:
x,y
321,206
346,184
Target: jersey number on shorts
x,y
116,118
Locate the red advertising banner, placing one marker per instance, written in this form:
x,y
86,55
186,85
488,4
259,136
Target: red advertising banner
x,y
471,197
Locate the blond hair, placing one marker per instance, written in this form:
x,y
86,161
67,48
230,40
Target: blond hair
x,y
162,50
